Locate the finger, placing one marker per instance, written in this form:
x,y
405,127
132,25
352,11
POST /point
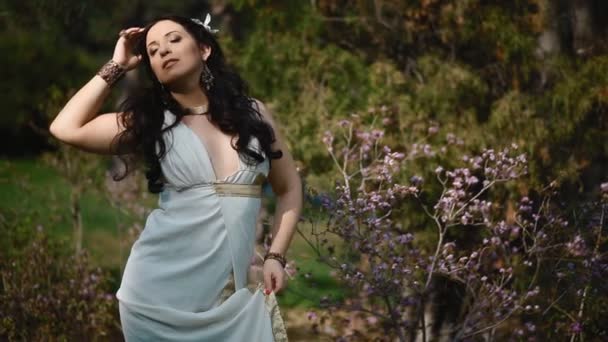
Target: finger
x,y
135,60
134,28
129,31
123,32
267,281
279,285
136,31
133,35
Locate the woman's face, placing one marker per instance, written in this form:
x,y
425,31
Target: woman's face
x,y
174,54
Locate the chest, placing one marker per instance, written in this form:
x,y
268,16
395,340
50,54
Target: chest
x,y
215,143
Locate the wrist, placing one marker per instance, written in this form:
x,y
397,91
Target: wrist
x,y
273,259
121,63
111,72
276,256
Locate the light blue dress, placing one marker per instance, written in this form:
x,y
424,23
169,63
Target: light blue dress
x,y
188,277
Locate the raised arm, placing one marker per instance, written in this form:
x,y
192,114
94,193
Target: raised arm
x,y
77,124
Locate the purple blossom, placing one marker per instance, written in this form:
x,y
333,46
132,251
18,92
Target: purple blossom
x,y
405,238
371,215
576,328
416,180
344,123
577,246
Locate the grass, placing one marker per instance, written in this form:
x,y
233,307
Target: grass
x,y
304,291
39,193
28,187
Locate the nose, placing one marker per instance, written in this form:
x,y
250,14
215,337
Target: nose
x,y
164,50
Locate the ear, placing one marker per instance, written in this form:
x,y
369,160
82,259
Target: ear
x,y
205,51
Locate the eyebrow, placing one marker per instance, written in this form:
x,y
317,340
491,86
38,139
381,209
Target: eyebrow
x,y
166,34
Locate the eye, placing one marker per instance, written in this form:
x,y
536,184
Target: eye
x,y
175,40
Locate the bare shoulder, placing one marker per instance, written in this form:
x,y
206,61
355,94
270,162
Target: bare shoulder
x,y
283,175
265,112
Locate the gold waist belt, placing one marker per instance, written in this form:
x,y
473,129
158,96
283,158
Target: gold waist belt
x,y
227,189
238,190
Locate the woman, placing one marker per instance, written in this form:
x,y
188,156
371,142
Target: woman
x,y
208,148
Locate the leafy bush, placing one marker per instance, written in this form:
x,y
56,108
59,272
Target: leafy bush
x,y
49,294
520,269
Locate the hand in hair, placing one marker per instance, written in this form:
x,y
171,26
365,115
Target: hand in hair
x,y
123,52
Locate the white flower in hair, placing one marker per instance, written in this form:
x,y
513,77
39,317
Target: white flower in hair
x,y
205,24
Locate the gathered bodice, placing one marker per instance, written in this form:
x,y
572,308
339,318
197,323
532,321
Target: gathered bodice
x,y
187,162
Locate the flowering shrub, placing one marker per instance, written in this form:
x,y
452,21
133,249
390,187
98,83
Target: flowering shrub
x,y
48,294
518,273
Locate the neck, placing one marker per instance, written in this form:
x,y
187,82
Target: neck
x,y
190,97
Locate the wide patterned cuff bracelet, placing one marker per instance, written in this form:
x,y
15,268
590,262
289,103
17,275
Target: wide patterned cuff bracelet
x,y
111,72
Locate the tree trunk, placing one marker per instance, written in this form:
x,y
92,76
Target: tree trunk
x,y
549,42
76,218
582,27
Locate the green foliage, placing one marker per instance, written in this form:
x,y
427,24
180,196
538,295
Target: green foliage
x,y
468,68
303,85
31,68
275,16
579,90
39,193
484,90
47,292
448,94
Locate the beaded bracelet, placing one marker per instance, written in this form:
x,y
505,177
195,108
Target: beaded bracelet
x,y
111,72
276,256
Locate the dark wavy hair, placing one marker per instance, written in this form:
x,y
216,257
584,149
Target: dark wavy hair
x,y
230,109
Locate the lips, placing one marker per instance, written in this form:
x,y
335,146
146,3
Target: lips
x,y
171,60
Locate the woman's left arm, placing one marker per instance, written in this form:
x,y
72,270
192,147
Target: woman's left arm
x,y
287,186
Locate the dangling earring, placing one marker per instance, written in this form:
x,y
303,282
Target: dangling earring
x,y
206,77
